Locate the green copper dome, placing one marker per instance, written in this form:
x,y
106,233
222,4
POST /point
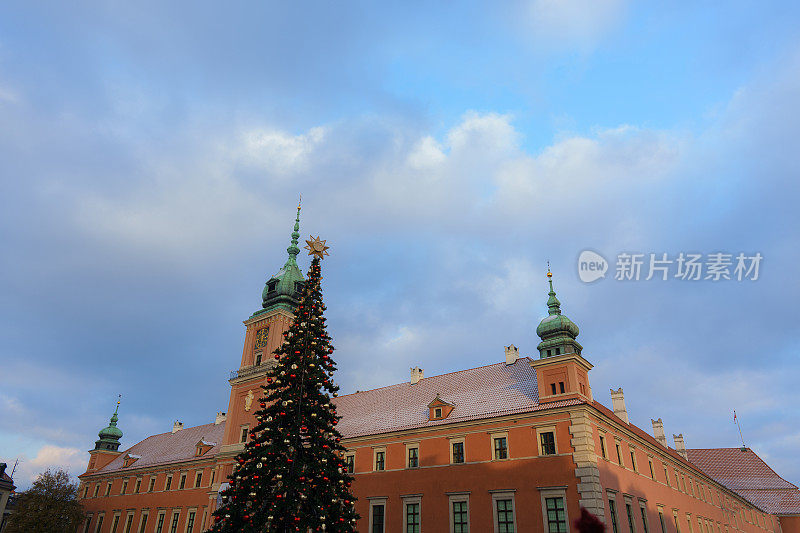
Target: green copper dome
x,y
109,436
556,330
284,288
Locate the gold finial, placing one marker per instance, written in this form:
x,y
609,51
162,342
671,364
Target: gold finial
x,y
300,202
317,247
549,274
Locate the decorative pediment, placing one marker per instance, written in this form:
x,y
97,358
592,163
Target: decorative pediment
x,y
439,409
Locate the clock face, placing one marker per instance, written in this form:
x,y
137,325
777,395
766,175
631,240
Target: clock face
x,y
261,338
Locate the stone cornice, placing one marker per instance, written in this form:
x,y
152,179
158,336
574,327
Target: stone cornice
x,y
562,359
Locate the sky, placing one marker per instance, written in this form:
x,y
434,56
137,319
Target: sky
x,y
152,155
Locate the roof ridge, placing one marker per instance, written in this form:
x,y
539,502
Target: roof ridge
x,y
430,377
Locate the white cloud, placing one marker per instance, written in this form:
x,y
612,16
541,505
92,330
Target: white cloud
x,y
573,22
278,152
50,456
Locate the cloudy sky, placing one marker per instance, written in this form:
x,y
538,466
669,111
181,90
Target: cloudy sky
x,y
152,154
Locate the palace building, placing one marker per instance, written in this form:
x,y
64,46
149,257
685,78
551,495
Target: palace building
x,y
518,445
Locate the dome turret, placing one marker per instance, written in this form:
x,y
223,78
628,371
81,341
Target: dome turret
x,y
284,288
109,436
557,332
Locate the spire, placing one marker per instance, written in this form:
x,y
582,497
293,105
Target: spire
x,y
284,288
556,330
293,249
553,305
109,436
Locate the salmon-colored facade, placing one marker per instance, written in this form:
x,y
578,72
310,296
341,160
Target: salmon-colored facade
x,y
518,445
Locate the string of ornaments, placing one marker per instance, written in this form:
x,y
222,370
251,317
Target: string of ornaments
x,y
291,474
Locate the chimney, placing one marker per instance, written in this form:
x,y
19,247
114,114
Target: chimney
x,y
680,447
2,469
177,426
220,418
618,401
416,374
512,354
658,432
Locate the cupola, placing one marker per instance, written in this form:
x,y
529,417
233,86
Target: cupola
x,y
557,332
284,288
109,436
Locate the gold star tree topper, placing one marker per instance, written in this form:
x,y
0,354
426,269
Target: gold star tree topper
x,y
317,247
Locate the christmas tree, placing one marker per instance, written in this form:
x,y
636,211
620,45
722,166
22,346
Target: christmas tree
x,y
291,474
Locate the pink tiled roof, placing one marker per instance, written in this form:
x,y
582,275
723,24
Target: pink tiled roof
x,y
482,392
744,472
169,447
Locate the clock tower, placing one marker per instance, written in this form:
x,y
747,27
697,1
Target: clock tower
x,y
263,334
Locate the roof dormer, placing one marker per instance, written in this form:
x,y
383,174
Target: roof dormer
x,y
129,459
202,447
439,409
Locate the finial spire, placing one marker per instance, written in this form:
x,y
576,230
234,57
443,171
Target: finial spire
x,y
553,305
293,249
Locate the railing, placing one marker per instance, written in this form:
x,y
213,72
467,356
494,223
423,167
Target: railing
x,y
250,370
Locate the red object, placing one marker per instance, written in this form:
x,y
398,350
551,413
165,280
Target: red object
x,y
589,523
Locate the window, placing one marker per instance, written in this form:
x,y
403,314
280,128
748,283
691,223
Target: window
x,y
378,512
152,484
96,489
124,486
612,508
88,523
243,435
115,523
258,359
500,448
652,472
603,447
619,454
198,479
99,525
412,524
350,463
168,483
137,486
560,384
182,484
558,351
675,518
160,522
190,522
213,474
553,388
642,508
413,457
459,514
380,459
633,460
504,509
666,476
661,519
629,512
677,481
556,516
173,526
547,442
457,451
108,488
143,522
128,523
437,413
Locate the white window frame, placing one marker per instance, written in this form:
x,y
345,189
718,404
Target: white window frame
x,y
168,479
546,429
456,440
353,455
375,458
128,520
118,517
643,513
182,480
108,488
88,522
373,502
503,495
455,497
175,519
101,517
500,435
632,454
142,517
198,474
410,446
162,512
552,492
188,512
244,429
411,499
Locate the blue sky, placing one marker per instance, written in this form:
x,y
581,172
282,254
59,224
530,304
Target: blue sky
x,y
152,156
